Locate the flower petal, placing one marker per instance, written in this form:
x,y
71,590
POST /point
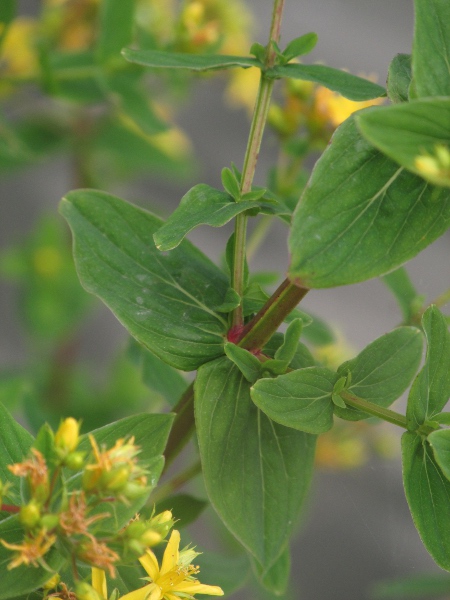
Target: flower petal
x,y
195,587
171,554
148,592
99,582
150,564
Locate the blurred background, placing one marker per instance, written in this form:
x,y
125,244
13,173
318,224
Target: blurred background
x,y
357,527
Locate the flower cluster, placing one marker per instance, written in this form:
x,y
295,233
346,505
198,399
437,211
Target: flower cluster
x,y
69,511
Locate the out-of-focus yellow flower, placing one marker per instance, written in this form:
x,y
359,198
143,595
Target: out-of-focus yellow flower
x,y
340,452
333,355
175,578
242,88
333,108
173,142
18,49
47,261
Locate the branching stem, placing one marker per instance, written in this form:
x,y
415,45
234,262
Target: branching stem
x,y
385,414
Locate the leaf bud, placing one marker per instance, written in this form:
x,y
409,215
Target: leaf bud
x,y
30,515
67,435
84,591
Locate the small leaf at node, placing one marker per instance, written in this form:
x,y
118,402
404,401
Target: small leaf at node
x,y
300,46
231,184
246,362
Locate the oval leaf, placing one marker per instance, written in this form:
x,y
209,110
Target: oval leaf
x,y
348,85
383,370
427,492
201,205
440,442
165,301
411,132
399,78
431,389
256,472
300,399
361,215
431,48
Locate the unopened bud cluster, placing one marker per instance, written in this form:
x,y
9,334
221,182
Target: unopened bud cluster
x,y
73,507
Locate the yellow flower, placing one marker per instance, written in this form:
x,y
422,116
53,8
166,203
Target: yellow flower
x,y
68,434
175,578
334,108
18,52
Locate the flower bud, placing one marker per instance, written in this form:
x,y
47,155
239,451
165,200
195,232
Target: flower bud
x,y
67,435
49,522
30,515
116,479
161,523
75,460
84,591
133,491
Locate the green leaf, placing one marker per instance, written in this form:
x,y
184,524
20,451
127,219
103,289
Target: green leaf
x,y
348,85
150,432
431,388
8,9
231,301
300,399
23,579
318,332
256,472
412,132
399,78
290,344
116,28
133,103
440,442
231,184
156,374
15,443
428,495
185,508
302,358
361,215
259,51
383,370
165,301
157,59
401,286
276,579
431,48
246,362
201,205
300,46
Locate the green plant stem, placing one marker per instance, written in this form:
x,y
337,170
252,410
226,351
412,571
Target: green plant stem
x,y
382,413
174,484
260,329
442,299
183,426
251,158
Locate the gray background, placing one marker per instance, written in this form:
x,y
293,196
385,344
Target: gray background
x,y
359,529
